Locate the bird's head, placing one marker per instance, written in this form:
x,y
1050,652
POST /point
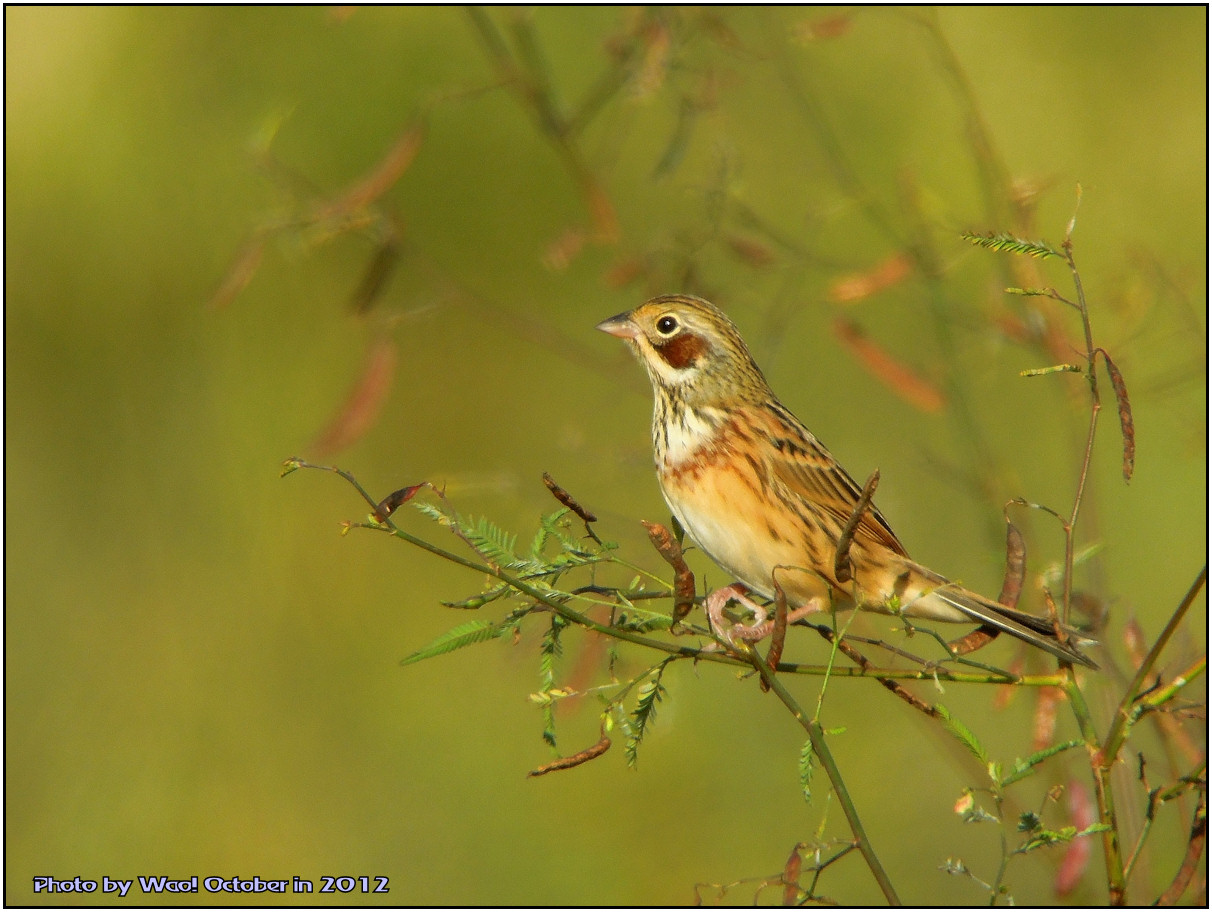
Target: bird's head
x,y
692,351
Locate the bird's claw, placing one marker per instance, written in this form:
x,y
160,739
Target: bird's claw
x,y
763,624
718,600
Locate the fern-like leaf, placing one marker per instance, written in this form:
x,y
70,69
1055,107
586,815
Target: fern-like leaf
x,y
651,693
1002,241
550,526
806,762
1026,766
493,543
964,734
434,512
464,635
540,541
549,651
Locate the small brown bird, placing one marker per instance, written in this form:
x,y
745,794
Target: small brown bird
x,y
764,498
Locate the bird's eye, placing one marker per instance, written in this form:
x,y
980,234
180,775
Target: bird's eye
x,y
667,325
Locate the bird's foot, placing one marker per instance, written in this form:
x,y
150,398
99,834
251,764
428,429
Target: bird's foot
x,y
762,625
755,632
718,600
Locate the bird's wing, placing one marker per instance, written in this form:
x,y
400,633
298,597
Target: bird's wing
x,y
810,472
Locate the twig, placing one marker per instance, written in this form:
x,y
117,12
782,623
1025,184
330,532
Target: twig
x,y
704,655
528,78
1123,715
995,176
813,112
1095,407
816,736
1196,843
864,663
1197,780
1104,795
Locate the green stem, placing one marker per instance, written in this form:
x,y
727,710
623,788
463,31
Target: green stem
x,y
1122,722
724,658
995,890
691,652
1095,408
1105,798
1165,694
1146,827
816,735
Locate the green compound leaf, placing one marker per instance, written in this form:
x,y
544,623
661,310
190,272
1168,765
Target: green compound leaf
x,y
651,693
549,651
806,762
1026,766
463,635
1002,241
964,734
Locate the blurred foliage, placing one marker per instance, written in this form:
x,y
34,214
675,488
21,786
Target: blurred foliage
x,y
234,234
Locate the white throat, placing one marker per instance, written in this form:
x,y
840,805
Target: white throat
x,y
680,433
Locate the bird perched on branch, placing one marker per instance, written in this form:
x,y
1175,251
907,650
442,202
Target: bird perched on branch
x,y
767,502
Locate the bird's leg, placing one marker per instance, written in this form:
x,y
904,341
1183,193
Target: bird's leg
x,y
763,624
718,600
763,629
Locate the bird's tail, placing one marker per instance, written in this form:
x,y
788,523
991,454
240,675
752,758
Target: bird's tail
x,y
1038,631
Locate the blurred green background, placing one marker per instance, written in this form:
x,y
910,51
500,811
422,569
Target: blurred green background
x,y
202,676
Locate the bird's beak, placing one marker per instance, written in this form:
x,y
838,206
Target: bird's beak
x,y
621,326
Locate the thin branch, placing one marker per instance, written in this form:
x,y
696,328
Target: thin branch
x,y
1095,408
708,653
1196,843
865,664
1105,797
1123,714
816,735
813,113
